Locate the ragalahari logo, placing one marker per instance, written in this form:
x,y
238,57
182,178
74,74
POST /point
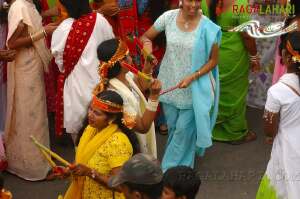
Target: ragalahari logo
x,y
264,7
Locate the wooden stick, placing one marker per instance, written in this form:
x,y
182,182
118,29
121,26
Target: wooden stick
x,y
137,72
48,158
51,153
169,90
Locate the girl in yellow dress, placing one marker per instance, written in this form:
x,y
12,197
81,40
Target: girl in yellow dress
x,y
104,147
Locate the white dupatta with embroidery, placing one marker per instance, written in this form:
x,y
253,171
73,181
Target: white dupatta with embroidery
x,y
137,107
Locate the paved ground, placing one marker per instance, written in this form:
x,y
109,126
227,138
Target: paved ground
x,y
227,172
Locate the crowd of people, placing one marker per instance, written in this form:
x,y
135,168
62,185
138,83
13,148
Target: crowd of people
x,y
115,72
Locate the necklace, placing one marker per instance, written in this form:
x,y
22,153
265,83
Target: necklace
x,y
186,25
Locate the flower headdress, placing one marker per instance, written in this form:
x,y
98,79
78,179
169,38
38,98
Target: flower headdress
x,y
120,54
128,120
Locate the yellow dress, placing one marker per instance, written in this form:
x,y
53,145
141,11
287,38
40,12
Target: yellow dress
x,y
101,151
113,153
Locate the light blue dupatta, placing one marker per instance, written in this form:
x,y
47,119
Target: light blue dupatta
x,y
205,108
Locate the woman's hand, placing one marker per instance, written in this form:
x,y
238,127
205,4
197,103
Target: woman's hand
x,y
149,65
61,172
109,9
80,170
7,55
50,28
186,82
155,89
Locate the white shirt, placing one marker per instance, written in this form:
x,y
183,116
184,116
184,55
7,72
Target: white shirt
x,y
83,79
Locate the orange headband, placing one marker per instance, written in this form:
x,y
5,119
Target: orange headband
x,y
295,54
107,106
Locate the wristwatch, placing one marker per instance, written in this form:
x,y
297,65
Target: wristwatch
x,y
93,174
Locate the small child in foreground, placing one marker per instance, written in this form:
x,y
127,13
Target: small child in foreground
x,y
180,182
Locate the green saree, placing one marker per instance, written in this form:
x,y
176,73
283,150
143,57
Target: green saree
x,y
233,68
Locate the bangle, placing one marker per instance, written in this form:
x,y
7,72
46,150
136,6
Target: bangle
x,y
149,74
254,58
45,33
37,35
197,75
152,105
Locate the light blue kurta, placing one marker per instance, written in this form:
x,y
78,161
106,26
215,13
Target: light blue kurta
x,y
177,61
190,112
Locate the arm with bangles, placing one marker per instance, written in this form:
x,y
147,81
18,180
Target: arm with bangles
x,y
142,83
21,37
83,170
212,62
143,124
250,45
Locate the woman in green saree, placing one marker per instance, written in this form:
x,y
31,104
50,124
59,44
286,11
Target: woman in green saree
x,y
234,63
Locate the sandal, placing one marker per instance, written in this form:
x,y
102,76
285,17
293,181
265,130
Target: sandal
x,y
251,136
163,129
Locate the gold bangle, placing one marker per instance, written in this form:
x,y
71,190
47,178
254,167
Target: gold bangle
x,y
37,35
45,33
199,73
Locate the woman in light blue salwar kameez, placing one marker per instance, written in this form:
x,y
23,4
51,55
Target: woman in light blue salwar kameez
x,y
190,62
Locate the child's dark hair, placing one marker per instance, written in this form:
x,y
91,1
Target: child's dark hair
x,y
290,18
183,180
114,97
152,191
294,39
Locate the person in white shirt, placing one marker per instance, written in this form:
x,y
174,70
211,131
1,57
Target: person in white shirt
x,y
74,46
282,121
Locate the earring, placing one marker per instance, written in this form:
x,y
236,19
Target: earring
x,y
180,4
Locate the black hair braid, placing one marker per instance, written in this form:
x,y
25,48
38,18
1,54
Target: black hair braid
x,y
105,52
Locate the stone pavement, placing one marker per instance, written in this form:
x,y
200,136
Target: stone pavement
x,y
227,172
